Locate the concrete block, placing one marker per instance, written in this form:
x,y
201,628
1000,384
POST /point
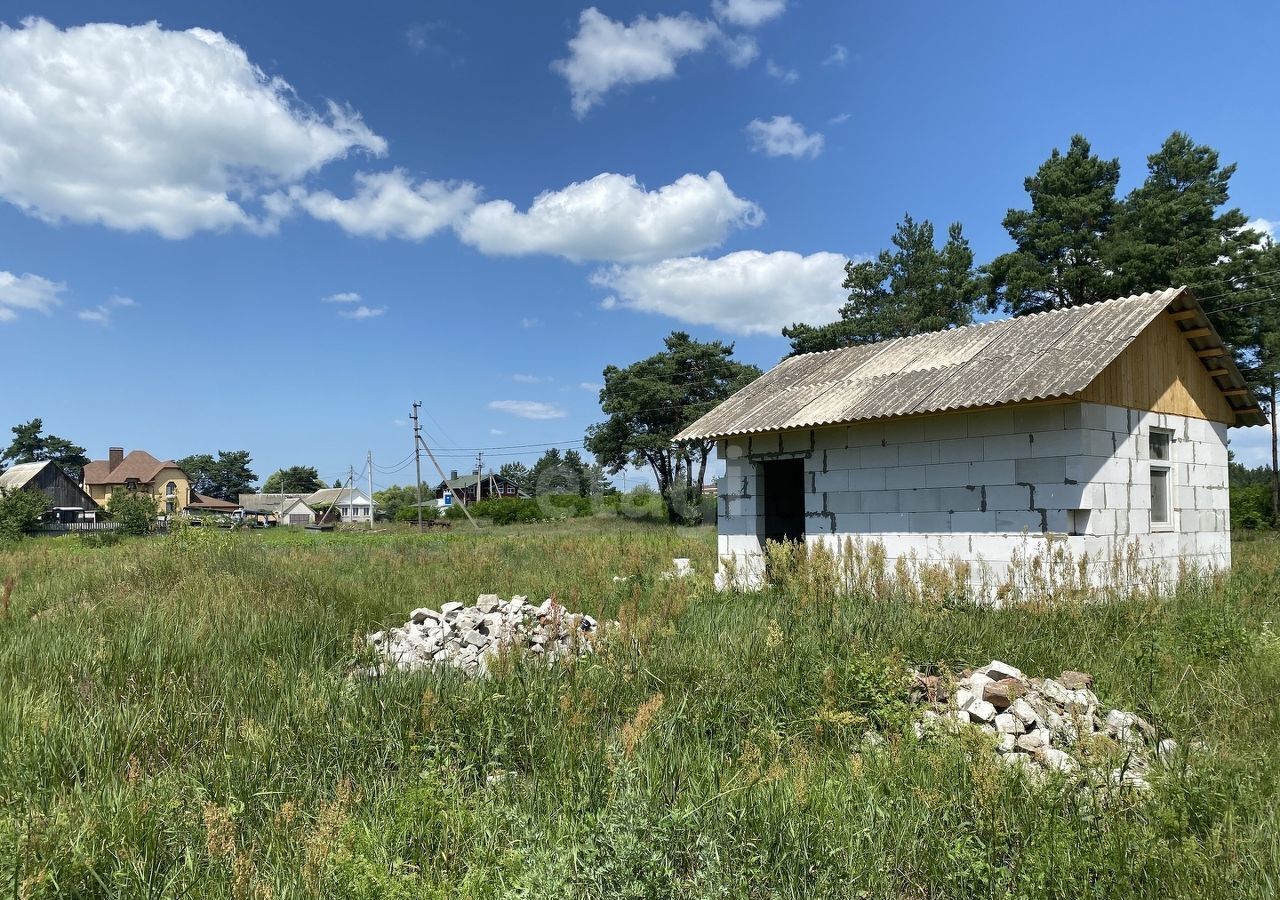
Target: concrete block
x,y
1140,495
1097,443
1060,496
960,450
1116,496
1039,418
1102,521
1058,521
844,459
831,481
948,475
1220,431
735,448
919,500
959,499
1072,416
1014,521
1067,442
1008,497
867,479
924,453
996,471
904,431
1006,446
1117,419
797,441
888,523
929,522
1041,470
817,524
814,503
946,427
1093,416
741,507
905,477
885,457
866,434
983,423
852,523
1140,520
846,502
973,521
880,501
831,438
1184,497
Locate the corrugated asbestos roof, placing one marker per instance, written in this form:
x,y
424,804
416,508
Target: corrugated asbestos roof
x,y
16,477
1038,357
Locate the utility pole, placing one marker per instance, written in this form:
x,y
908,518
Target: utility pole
x,y
417,458
369,462
479,471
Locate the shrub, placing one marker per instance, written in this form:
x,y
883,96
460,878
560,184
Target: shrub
x,y
134,511
20,511
1251,507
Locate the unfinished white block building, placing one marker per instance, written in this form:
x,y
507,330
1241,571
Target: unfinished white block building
x,y
1102,427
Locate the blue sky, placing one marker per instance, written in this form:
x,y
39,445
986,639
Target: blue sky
x,y
276,231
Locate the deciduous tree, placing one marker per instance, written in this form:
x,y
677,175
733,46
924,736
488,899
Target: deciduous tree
x,y
649,402
225,476
293,480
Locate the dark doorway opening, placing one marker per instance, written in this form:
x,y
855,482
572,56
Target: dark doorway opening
x,y
783,499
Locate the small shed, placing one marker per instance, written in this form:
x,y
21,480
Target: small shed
x,y
1104,426
68,500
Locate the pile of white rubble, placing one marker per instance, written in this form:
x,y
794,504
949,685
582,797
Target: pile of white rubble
x,y
469,637
1042,724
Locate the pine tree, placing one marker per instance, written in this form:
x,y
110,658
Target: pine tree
x,y
908,290
1058,261
1172,230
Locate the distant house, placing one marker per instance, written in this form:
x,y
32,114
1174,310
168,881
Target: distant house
x,y
68,500
463,488
138,472
349,504
283,509
204,505
1102,428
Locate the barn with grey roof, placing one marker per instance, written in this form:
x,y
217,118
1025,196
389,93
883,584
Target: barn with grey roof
x,y
1102,427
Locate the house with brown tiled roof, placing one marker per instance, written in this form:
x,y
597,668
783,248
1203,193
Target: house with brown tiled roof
x,y
139,472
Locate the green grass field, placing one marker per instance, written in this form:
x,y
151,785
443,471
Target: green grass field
x,y
177,720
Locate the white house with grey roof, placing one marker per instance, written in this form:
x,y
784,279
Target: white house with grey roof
x,y
1103,427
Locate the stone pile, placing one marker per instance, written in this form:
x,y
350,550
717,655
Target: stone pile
x,y
469,637
1042,724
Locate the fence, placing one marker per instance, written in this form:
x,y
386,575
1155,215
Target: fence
x,y
57,528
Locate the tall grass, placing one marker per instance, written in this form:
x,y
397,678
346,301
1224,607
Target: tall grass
x,y
177,719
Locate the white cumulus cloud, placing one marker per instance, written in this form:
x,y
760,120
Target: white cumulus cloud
x,y
782,73
783,136
613,218
103,313
1262,226
144,129
748,13
606,54
27,293
528,409
748,292
391,204
344,297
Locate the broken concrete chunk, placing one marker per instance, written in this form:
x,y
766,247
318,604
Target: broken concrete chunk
x,y
998,671
1075,681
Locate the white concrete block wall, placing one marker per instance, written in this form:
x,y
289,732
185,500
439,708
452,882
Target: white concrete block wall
x,y
993,484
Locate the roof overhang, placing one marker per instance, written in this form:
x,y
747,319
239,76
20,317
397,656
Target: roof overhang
x,y
1216,357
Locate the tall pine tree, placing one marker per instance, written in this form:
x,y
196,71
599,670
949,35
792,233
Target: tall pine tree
x,y
908,290
1058,261
1172,230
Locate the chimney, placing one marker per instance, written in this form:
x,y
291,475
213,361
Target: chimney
x,y
115,456
453,475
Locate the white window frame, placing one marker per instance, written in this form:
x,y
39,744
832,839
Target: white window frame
x,y
1165,466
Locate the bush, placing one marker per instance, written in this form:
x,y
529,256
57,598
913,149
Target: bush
x,y
134,511
1251,507
20,511
507,510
